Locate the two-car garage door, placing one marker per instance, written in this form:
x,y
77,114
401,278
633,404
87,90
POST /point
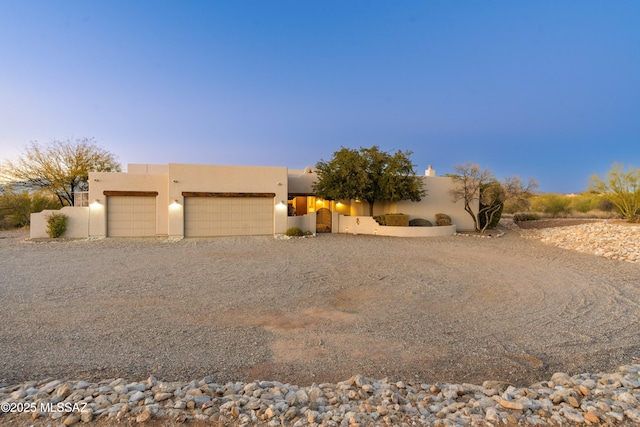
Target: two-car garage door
x,y
228,216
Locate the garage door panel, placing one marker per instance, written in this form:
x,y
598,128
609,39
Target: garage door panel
x,y
226,216
131,216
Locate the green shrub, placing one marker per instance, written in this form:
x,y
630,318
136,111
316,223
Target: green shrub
x,y
443,219
308,233
56,225
294,232
16,207
525,216
553,204
585,202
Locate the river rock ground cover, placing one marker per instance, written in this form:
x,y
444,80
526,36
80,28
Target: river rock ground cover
x,y
317,310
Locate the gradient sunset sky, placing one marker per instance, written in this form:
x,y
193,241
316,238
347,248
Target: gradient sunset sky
x,y
544,89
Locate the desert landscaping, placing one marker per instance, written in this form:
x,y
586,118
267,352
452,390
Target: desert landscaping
x,y
410,317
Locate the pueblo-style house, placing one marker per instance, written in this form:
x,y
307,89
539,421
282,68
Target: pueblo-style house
x,y
189,200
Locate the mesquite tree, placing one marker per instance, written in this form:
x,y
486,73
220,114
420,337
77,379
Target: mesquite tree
x,y
368,174
60,168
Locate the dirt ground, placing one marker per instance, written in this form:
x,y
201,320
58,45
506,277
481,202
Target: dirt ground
x,y
447,309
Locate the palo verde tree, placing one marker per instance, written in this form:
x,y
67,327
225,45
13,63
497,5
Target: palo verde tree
x,y
622,188
368,174
475,185
60,168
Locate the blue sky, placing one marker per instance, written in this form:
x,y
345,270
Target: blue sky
x,y
544,89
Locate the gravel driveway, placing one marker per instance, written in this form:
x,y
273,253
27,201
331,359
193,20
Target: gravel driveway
x,y
455,309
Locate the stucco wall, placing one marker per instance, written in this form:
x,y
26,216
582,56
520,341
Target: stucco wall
x,y
367,225
303,222
437,200
300,181
77,223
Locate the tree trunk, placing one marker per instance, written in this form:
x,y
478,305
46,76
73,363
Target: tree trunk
x,y
370,207
476,223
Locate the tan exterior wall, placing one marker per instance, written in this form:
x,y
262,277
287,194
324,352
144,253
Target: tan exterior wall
x,y
437,200
367,225
147,169
301,180
77,223
303,222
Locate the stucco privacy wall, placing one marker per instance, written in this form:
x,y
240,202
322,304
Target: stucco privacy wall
x,y
77,223
303,222
368,225
134,180
438,200
226,179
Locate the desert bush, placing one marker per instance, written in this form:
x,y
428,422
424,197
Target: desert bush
x,y
294,232
605,205
553,204
622,188
525,216
513,206
419,222
5,224
56,225
585,202
393,220
443,219
17,207
307,233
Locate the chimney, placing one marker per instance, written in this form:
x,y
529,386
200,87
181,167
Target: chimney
x,y
430,171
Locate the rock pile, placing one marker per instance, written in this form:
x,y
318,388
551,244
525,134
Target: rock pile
x,y
611,241
606,398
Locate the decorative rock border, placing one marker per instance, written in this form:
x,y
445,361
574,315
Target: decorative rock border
x,y
617,242
605,398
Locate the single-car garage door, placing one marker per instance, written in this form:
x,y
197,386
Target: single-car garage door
x,y
131,216
228,216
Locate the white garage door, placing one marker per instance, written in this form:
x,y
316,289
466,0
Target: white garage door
x,y
227,216
131,216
